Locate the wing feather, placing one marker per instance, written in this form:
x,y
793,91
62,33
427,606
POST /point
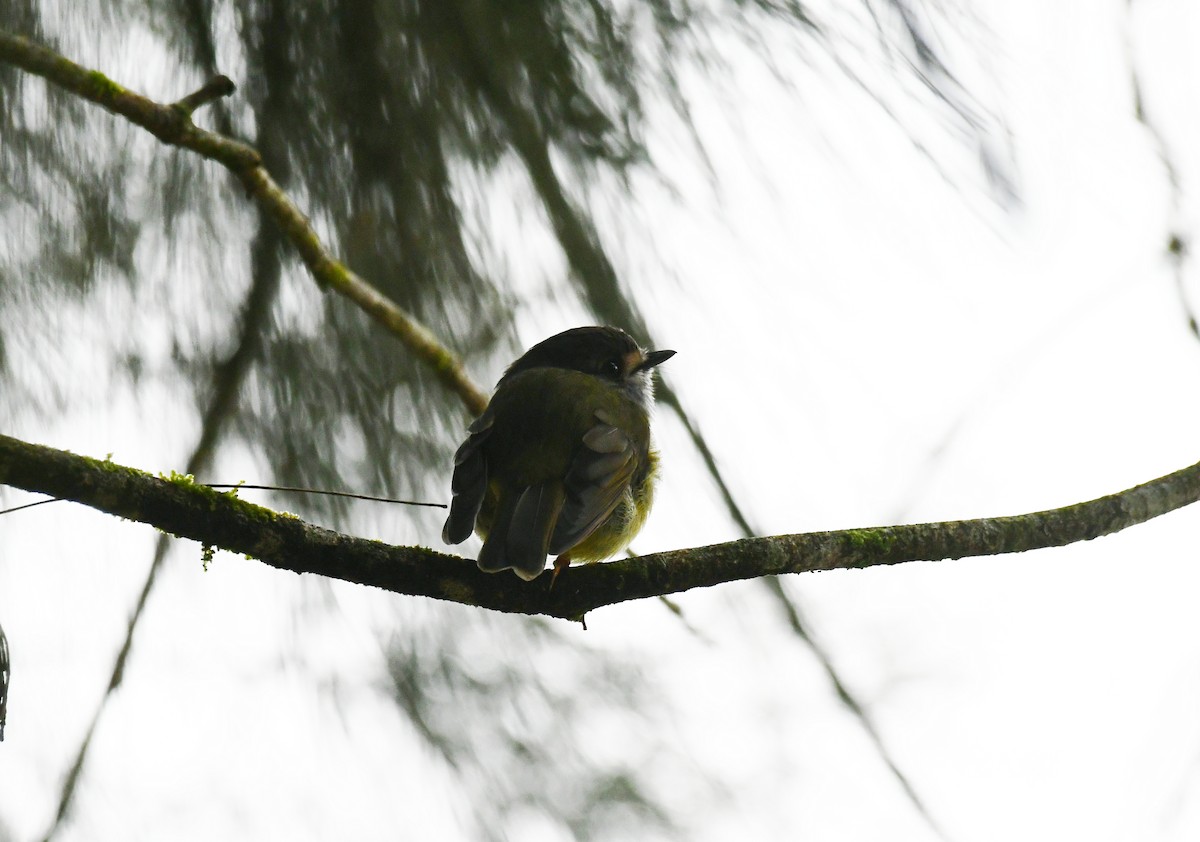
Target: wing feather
x,y
598,478
469,482
535,517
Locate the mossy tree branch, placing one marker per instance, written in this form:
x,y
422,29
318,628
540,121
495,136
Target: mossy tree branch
x,y
172,124
220,520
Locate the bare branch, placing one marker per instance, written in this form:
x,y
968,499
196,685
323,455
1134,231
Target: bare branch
x,y
182,508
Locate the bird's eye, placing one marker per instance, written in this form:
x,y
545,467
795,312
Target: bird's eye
x,y
612,368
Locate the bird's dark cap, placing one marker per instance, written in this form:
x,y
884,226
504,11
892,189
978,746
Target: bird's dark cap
x,y
587,349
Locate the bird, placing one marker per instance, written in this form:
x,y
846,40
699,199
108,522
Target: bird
x,y
561,461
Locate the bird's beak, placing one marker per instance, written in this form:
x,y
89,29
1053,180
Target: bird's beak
x,y
654,358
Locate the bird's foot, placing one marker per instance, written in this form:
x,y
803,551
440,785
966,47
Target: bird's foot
x,y
560,564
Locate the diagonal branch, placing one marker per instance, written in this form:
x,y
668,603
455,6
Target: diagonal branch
x,y
185,509
172,124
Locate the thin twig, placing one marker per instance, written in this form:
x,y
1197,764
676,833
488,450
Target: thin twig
x,y
348,494
29,505
212,90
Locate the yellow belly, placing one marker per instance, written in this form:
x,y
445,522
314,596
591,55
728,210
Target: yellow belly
x,y
623,525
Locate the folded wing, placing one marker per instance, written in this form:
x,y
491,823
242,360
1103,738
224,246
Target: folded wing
x,y
598,478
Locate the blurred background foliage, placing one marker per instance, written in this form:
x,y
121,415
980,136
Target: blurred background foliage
x,y
468,158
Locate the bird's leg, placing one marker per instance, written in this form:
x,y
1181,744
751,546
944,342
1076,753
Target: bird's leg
x,y
560,564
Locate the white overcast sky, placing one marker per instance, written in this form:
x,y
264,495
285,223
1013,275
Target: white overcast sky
x,y
864,337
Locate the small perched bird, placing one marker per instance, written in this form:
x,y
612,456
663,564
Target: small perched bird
x,y
560,463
